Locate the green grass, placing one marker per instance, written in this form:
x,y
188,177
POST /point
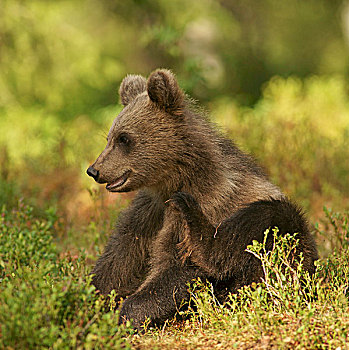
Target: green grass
x,y
46,300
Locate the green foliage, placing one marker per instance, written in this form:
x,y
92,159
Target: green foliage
x,y
40,141
335,272
8,193
45,299
337,227
51,60
284,279
24,240
53,57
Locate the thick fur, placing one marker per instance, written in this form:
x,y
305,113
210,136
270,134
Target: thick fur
x,y
201,201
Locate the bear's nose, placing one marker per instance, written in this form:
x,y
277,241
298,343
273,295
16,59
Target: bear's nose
x,y
91,171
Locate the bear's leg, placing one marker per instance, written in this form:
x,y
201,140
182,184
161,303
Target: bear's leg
x,y
125,261
122,266
220,250
166,287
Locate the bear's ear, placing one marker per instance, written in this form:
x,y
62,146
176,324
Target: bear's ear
x,y
164,91
131,87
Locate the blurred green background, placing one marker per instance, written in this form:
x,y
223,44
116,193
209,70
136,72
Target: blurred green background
x,y
274,75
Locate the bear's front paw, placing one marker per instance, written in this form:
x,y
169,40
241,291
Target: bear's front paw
x,y
130,312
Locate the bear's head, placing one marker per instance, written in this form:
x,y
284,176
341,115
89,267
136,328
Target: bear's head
x,y
146,141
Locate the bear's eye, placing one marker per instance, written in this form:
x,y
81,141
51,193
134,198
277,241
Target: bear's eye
x,y
124,139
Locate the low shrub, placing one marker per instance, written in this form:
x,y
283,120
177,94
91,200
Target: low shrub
x,y
46,300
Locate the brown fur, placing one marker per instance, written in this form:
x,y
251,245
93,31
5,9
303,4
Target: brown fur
x,y
200,202
131,87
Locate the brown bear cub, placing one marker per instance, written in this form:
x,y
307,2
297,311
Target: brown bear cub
x,y
200,202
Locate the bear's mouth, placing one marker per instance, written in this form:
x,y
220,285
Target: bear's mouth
x,y
118,182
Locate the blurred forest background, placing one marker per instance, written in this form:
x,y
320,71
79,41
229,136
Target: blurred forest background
x,y
273,74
